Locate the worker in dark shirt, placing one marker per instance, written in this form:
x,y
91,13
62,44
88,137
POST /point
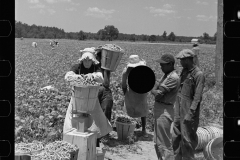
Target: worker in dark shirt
x,y
105,94
87,67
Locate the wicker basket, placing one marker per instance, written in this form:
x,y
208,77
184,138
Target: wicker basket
x,y
110,59
214,149
84,98
124,130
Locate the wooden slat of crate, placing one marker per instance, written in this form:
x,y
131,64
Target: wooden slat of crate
x,y
100,153
81,123
22,157
74,155
85,142
124,130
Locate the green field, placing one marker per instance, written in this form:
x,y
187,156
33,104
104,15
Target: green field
x,y
40,116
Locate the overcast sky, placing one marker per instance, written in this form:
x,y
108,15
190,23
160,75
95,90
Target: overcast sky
x,y
183,17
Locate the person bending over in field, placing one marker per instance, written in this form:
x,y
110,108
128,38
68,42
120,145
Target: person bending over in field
x,y
165,92
135,104
88,67
187,107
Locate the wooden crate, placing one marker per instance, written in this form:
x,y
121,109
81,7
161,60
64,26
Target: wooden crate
x,y
81,123
100,153
86,143
74,155
22,157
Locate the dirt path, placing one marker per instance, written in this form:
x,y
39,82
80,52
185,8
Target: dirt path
x,y
141,149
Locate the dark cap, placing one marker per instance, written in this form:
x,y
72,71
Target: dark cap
x,y
195,45
185,54
166,58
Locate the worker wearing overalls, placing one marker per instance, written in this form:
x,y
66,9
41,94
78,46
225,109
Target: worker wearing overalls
x,y
187,107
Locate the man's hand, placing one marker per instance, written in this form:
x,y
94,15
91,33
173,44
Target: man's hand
x,y
157,95
189,116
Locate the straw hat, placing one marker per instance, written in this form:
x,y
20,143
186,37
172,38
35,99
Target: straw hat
x,y
88,53
134,61
91,50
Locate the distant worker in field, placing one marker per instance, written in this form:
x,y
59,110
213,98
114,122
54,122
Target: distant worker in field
x,y
187,107
196,52
53,43
135,104
88,67
165,93
34,44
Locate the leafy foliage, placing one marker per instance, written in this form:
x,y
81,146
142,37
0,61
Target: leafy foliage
x,y
40,115
171,36
108,33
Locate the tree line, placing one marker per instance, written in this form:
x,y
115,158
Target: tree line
x,y
109,32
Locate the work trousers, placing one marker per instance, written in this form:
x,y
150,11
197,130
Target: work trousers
x,y
184,136
107,108
163,118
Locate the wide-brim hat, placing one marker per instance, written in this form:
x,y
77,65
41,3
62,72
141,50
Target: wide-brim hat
x,y
88,53
91,50
134,61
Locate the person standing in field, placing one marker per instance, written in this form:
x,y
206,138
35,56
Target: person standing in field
x,y
187,107
135,104
196,52
165,92
87,67
105,94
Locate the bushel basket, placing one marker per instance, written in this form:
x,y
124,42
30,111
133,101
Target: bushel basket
x,y
110,59
124,130
84,98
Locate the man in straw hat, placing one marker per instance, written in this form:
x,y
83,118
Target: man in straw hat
x,y
165,92
89,68
187,107
135,103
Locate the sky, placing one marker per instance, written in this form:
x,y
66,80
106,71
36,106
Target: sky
x,y
183,17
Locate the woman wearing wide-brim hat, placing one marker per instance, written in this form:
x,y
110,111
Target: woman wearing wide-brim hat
x,y
135,104
87,66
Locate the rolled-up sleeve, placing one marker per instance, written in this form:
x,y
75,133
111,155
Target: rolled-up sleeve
x,y
71,75
162,89
200,80
98,76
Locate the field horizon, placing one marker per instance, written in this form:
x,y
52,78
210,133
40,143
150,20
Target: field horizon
x,y
40,116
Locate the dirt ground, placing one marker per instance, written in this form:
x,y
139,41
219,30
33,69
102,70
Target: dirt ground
x,y
141,149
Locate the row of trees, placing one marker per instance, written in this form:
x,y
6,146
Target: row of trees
x,y
109,33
